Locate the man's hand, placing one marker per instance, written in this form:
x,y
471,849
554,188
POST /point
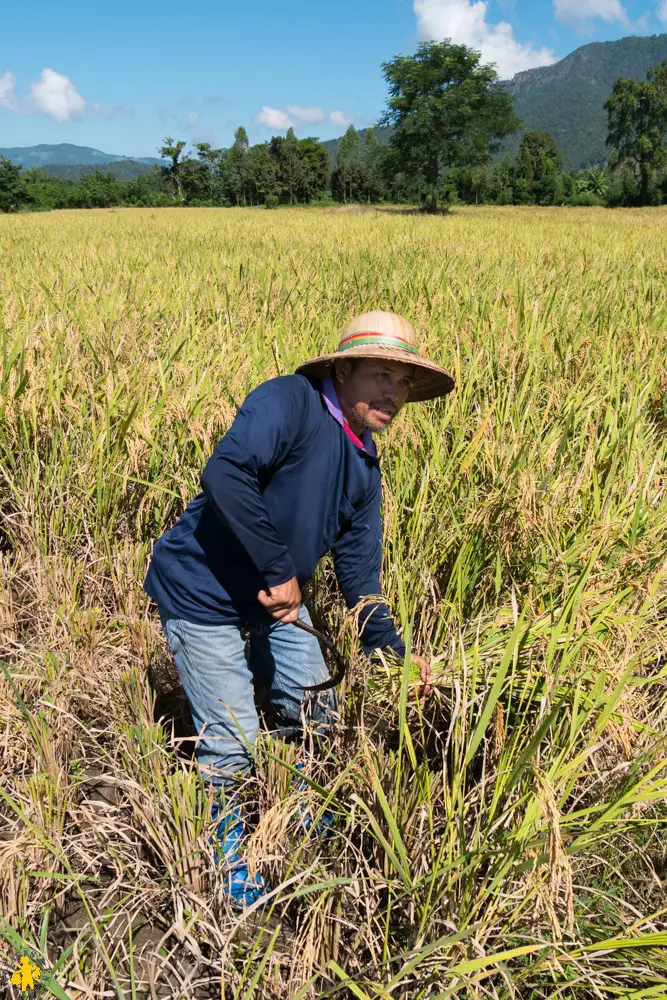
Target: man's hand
x,y
424,673
283,601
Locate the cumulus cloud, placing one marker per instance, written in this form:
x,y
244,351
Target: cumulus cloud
x,y
465,22
274,118
57,96
280,119
338,118
8,92
307,115
662,12
585,10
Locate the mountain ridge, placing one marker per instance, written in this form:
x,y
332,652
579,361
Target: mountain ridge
x,y
63,153
545,96
544,99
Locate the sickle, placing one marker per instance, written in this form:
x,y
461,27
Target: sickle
x,y
342,664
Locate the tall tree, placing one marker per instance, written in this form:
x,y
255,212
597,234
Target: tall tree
x,y
235,165
12,190
473,183
314,167
637,124
501,182
195,181
211,159
347,159
371,165
96,190
261,172
538,167
537,155
290,164
447,109
172,151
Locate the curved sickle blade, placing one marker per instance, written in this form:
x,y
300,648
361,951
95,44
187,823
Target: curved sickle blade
x,y
342,664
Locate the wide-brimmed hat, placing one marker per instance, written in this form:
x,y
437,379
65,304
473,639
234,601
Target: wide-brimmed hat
x,y
385,335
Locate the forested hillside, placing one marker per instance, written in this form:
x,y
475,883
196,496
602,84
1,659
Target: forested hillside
x,y
567,99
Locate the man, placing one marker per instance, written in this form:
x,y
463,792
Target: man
x,y
295,476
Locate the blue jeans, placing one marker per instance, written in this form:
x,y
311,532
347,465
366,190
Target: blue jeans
x,y
217,671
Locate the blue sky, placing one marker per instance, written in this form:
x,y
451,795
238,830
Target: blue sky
x,y
119,76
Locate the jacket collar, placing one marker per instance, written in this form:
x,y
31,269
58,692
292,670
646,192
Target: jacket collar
x,y
330,397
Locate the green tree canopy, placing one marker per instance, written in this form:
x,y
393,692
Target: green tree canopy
x,y
537,156
95,190
314,167
289,164
12,190
447,109
371,165
210,157
637,123
234,167
538,167
261,172
348,162
172,150
196,178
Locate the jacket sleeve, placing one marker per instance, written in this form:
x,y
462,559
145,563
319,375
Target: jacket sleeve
x,y
357,555
263,433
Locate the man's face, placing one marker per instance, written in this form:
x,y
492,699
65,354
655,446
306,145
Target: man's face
x,y
371,392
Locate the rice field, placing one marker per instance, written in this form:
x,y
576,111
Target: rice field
x,y
504,840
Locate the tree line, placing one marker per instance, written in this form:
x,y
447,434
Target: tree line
x,y
448,114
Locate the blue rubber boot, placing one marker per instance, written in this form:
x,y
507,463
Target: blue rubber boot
x,y
304,815
242,888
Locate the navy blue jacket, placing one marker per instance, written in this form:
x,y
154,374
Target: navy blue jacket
x,y
284,486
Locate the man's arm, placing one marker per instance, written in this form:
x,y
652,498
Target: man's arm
x,y
357,557
262,435
358,561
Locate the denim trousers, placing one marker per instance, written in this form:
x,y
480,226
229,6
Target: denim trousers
x,y
217,665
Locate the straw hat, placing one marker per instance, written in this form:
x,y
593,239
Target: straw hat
x,y
385,335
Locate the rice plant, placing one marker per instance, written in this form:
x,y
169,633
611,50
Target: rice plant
x,y
504,839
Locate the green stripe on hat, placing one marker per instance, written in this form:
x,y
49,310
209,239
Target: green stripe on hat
x,y
380,340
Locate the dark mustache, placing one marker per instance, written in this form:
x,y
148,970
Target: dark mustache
x,y
386,403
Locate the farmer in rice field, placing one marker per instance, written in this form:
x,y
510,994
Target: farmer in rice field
x,y
295,476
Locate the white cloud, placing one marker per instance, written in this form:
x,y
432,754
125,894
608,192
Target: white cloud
x,y
308,115
464,21
584,10
662,12
338,118
274,118
57,96
7,92
280,119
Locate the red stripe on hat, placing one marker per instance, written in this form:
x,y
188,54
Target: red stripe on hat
x,y
375,333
